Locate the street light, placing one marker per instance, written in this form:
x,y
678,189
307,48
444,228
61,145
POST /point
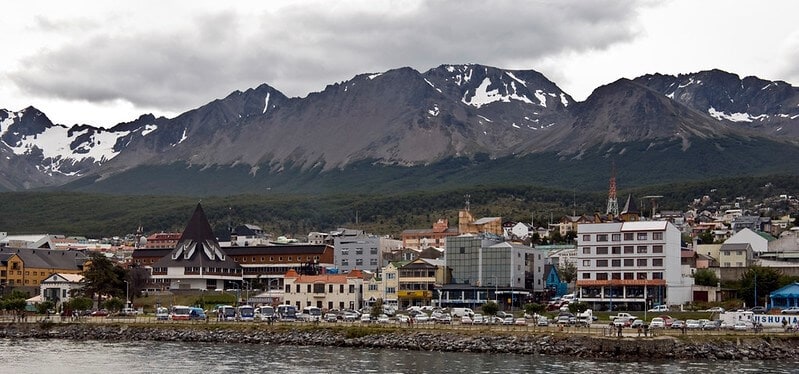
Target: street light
x,y
127,294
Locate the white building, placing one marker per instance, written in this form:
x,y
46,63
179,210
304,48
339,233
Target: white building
x,y
630,265
746,236
326,291
58,287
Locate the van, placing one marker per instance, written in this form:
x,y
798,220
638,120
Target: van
x,y
245,313
460,312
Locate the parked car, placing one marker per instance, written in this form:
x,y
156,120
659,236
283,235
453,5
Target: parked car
x,y
637,323
791,310
742,326
677,324
366,318
693,324
382,318
659,308
466,320
667,319
478,319
657,323
715,309
162,314
507,321
758,309
421,318
520,322
331,317
711,325
402,318
543,321
100,313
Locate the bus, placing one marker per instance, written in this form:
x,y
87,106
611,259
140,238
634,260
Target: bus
x,y
265,313
180,313
311,314
226,313
287,312
245,313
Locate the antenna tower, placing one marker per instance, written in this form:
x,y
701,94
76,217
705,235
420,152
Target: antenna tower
x,y
613,202
467,201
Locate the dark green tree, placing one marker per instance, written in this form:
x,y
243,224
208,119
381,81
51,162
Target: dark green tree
x,y
102,278
80,303
490,308
534,308
377,308
114,304
758,282
706,237
44,306
570,237
578,307
567,272
706,277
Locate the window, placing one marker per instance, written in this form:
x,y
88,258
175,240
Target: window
x,y
289,258
372,287
330,288
657,262
615,237
602,276
340,288
615,263
345,252
616,276
642,236
629,276
586,238
352,288
391,275
308,288
641,249
657,236
345,262
642,262
373,262
601,250
319,288
358,262
629,249
462,250
642,276
373,251
358,251
586,275
586,250
657,275
391,289
629,262
601,263
657,249
628,236
298,288
586,263
615,250
601,237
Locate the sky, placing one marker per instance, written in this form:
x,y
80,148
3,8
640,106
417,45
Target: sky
x,y
105,62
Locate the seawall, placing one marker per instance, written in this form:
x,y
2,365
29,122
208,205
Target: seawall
x,y
764,347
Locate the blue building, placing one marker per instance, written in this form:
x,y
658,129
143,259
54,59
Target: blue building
x,y
785,297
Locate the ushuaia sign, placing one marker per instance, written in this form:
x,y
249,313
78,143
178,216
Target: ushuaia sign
x,y
766,320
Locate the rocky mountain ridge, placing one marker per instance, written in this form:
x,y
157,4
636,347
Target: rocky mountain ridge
x,y
400,119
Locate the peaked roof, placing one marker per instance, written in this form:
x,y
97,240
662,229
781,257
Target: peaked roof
x,y
630,207
197,246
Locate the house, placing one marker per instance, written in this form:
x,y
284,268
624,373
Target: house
x,y
435,236
162,240
26,268
756,240
785,297
59,288
468,225
326,291
521,230
418,279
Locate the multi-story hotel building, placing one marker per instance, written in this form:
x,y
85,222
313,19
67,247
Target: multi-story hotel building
x,y
326,291
630,265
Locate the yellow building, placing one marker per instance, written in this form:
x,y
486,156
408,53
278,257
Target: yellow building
x,y
28,267
468,225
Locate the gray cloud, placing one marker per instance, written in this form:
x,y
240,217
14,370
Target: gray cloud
x,y
300,50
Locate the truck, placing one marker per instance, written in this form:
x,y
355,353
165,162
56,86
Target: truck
x,y
585,318
622,318
460,312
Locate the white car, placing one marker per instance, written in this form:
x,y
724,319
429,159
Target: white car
x,y
466,320
659,308
742,326
657,323
382,318
478,319
543,321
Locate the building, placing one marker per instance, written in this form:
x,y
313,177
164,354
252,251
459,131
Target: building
x,y
247,235
26,268
162,240
630,265
264,266
758,240
197,262
356,250
326,291
433,237
735,255
468,225
484,268
58,287
418,279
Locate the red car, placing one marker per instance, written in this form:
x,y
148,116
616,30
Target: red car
x,y
667,319
100,313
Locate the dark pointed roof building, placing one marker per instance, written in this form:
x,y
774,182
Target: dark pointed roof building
x,y
197,262
630,212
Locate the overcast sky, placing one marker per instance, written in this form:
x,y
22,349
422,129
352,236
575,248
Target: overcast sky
x,y
104,62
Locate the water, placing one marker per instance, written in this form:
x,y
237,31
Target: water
x,y
85,357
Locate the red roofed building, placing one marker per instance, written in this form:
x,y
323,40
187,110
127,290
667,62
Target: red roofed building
x,y
326,291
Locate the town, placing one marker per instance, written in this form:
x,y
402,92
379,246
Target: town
x,y
628,259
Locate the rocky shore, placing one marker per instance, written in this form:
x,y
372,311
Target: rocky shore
x,y
574,345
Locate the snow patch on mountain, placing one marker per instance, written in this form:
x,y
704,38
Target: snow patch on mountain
x,y
148,129
266,102
735,117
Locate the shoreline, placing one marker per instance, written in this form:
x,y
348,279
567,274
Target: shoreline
x,y
722,347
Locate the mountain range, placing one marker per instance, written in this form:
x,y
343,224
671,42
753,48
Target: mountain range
x,y
401,130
